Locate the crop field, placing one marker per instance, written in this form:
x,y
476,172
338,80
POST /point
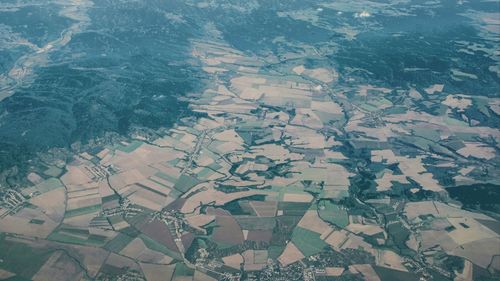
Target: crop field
x,y
308,242
21,259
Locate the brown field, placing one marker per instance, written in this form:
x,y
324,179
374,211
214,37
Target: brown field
x,y
134,249
93,258
158,231
228,232
149,199
157,272
254,259
259,235
137,250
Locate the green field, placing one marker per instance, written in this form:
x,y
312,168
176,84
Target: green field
x,y
389,274
185,183
166,177
21,259
256,223
17,278
66,237
37,221
110,198
275,251
131,147
48,185
53,171
82,211
308,242
118,243
332,213
182,270
293,208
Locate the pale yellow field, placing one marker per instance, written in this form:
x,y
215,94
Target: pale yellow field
x,y
4,274
219,198
337,239
52,203
368,229
290,255
475,231
197,221
459,102
233,261
389,259
20,223
437,88
466,274
386,181
311,221
366,271
297,197
334,271
479,252
477,150
200,276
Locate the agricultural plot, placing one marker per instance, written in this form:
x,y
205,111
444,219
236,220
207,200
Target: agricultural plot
x,y
296,159
308,242
332,213
20,259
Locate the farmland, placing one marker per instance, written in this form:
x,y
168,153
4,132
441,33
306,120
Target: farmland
x,y
325,142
